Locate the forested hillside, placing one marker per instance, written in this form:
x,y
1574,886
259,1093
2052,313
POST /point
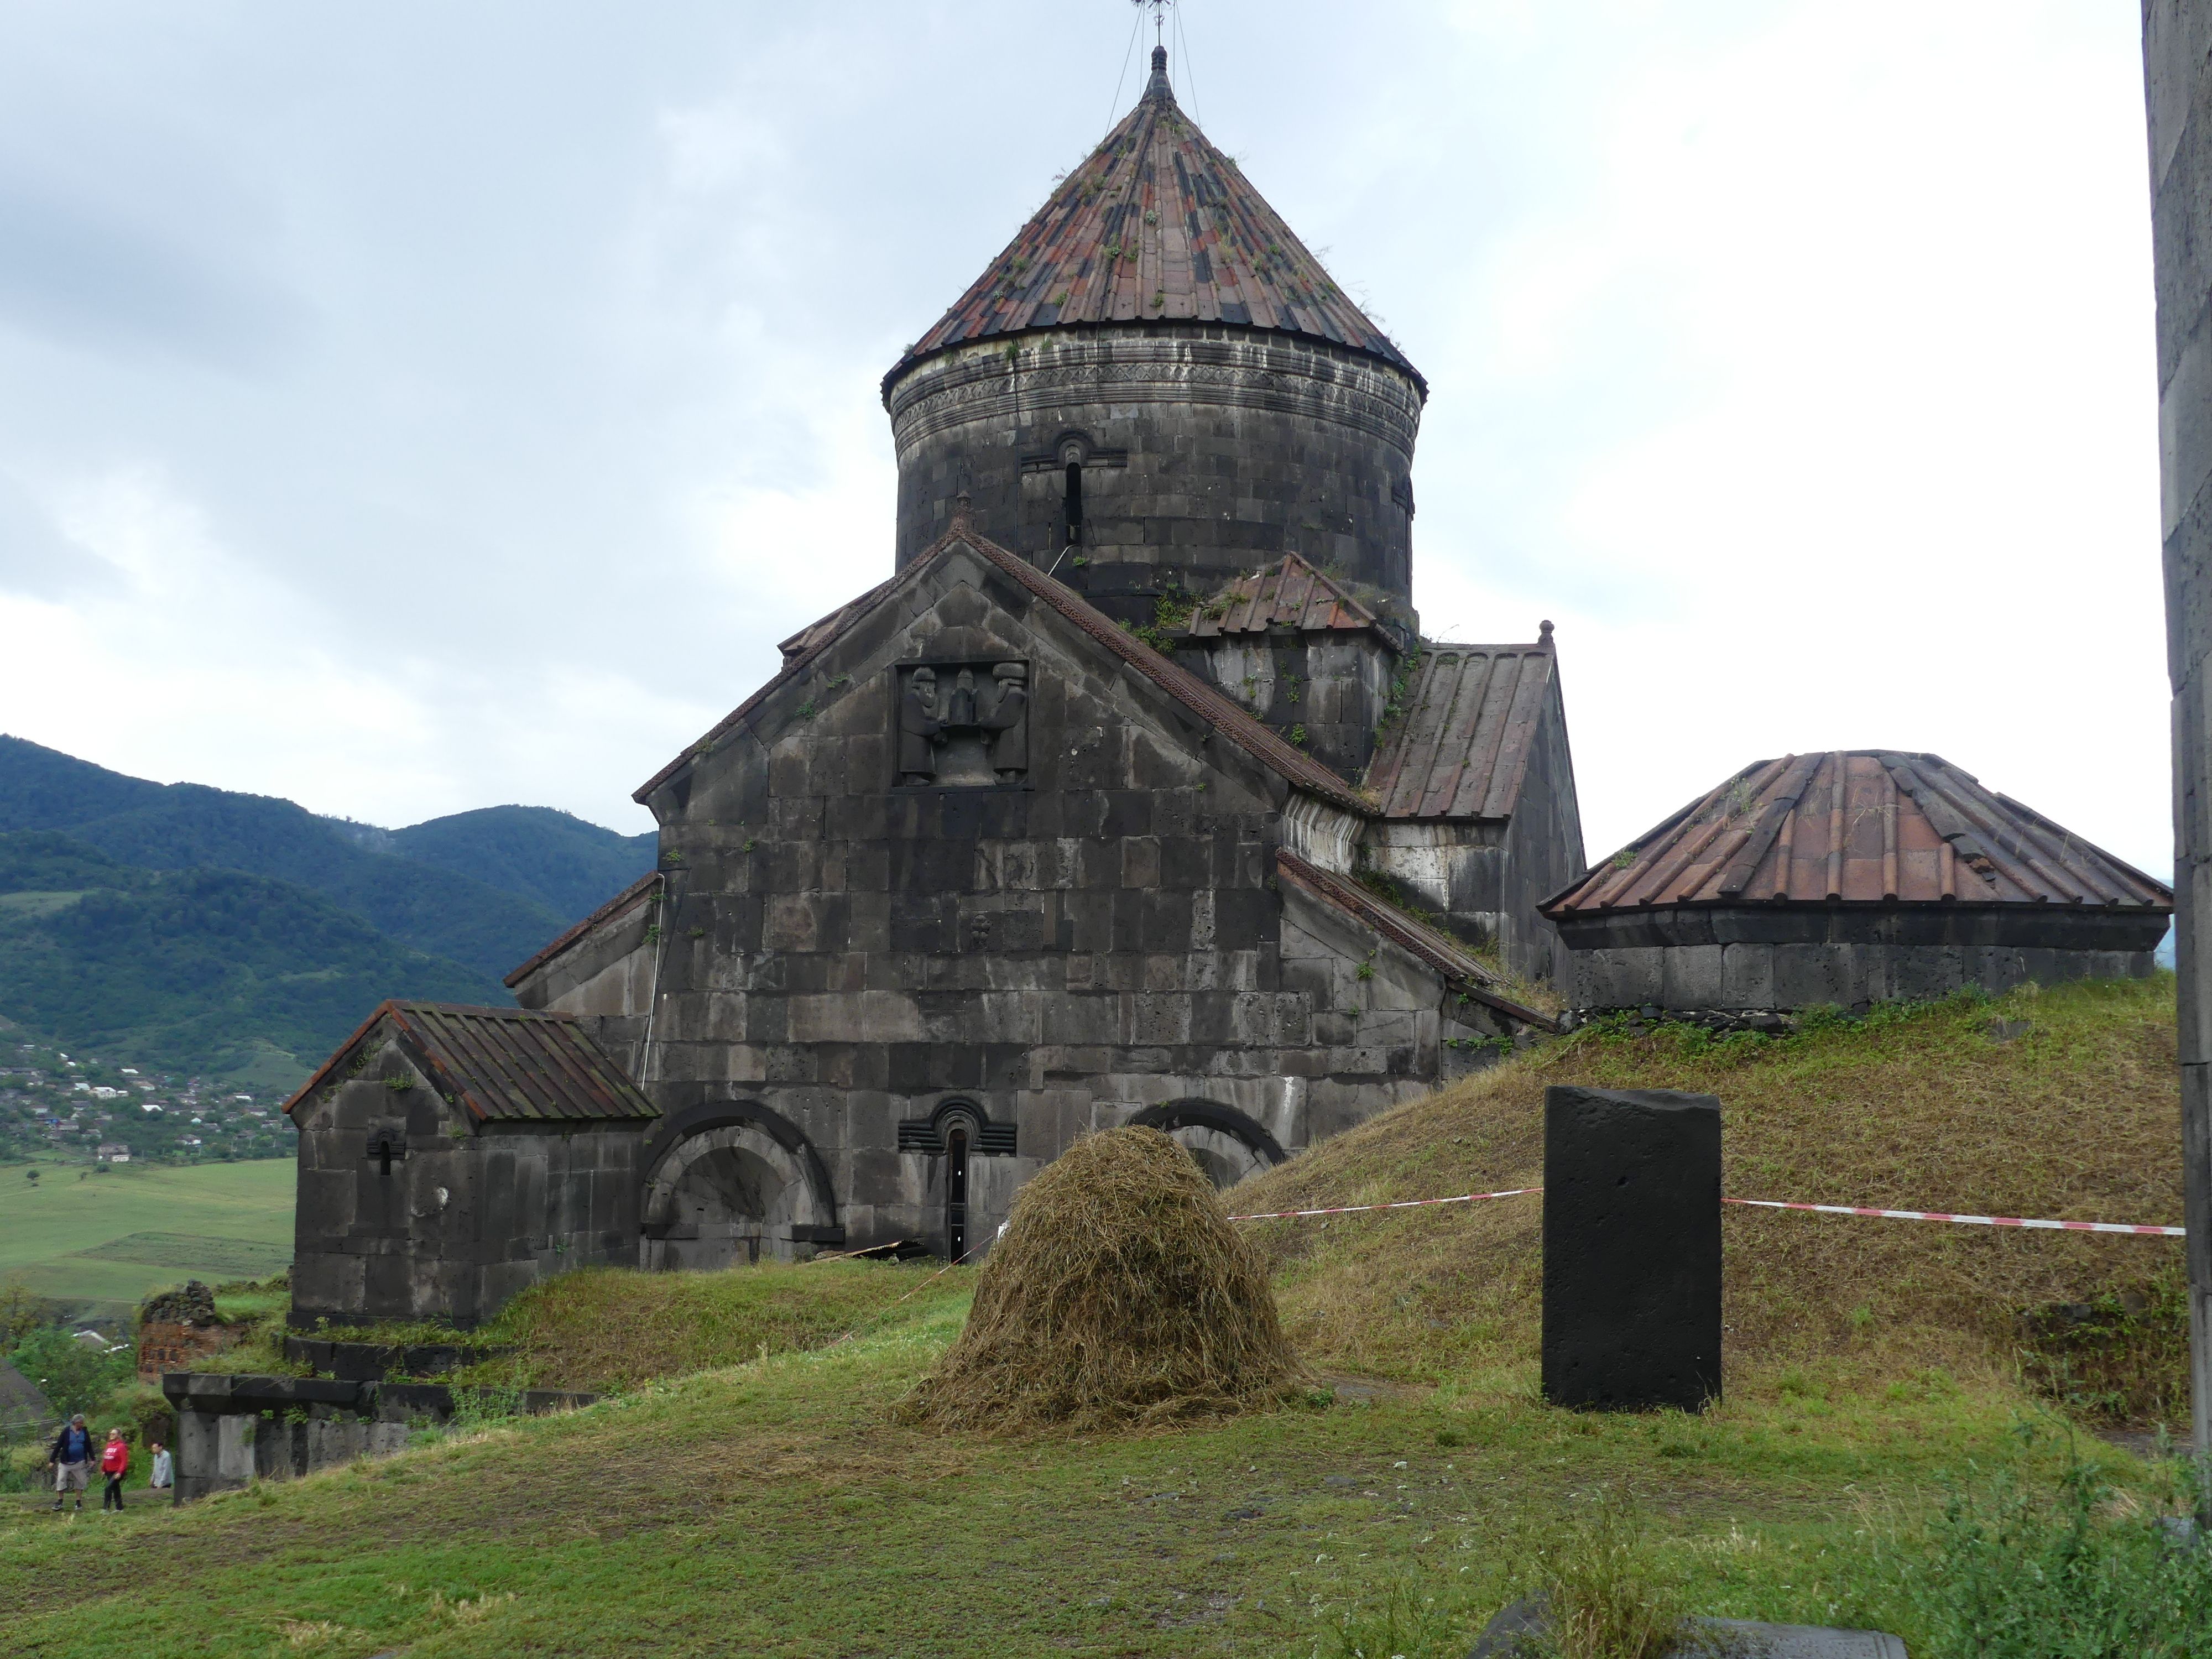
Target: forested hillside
x,y
191,927
533,852
189,970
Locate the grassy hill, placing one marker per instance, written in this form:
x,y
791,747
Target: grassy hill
x,y
1877,1462
2076,1117
104,1242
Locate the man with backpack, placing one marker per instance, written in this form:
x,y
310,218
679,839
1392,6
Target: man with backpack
x,y
72,1455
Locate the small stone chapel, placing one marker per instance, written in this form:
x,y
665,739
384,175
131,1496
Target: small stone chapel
x,y
1134,793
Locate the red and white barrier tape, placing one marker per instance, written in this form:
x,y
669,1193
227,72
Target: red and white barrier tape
x,y
1965,1220
1762,1204
1403,1204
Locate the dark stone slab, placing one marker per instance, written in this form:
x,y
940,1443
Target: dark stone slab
x,y
1631,1249
221,1393
1518,1632
371,1362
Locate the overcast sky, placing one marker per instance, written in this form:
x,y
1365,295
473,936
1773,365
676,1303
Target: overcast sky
x,y
416,407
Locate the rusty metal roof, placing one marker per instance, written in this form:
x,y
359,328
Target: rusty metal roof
x,y
1292,595
1859,827
1439,950
1227,717
1460,750
499,1064
1157,224
628,899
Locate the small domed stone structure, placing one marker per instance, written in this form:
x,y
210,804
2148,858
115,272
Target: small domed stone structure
x,y
1846,879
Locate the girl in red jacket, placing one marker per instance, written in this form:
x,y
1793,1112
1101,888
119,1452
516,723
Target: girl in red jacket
x,y
114,1463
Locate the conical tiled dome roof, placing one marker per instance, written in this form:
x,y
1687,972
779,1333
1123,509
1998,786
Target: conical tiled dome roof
x,y
1157,224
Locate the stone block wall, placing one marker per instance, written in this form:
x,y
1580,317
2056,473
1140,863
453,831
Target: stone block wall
x,y
1324,692
851,957
1758,960
409,1211
1204,450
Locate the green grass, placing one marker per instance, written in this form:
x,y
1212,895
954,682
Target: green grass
x,y
1879,1460
81,1237
1917,1109
775,1508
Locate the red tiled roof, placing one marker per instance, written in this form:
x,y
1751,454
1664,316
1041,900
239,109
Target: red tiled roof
x,y
1292,595
500,1064
1461,747
1215,708
1863,827
1439,950
628,899
1157,224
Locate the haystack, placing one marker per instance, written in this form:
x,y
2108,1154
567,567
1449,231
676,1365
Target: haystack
x,y
1120,1295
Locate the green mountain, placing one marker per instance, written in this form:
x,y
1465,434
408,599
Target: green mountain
x,y
200,929
44,789
194,970
533,852
485,889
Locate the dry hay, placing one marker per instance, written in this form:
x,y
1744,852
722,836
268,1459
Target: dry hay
x,y
1121,1296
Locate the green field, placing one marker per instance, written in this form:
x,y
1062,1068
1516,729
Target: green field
x,y
80,1236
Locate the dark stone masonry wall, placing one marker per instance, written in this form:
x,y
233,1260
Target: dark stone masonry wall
x,y
1759,960
1203,450
408,1211
850,965
1323,691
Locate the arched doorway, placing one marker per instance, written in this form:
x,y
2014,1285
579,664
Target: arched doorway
x,y
1226,1143
737,1185
964,1173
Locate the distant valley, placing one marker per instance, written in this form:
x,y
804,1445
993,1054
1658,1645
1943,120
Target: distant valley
x,y
202,931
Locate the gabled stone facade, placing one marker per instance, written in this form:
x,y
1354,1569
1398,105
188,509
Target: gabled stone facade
x,y
889,991
1134,795
450,1157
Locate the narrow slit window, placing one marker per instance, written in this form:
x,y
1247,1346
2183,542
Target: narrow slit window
x,y
1074,502
955,1194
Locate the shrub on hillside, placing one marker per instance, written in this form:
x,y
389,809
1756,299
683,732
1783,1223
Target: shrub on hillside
x,y
72,1374
2075,1572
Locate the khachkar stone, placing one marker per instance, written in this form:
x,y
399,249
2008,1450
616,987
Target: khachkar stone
x,y
1631,1249
1156,387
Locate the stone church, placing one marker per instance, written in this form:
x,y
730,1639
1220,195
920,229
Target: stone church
x,y
1134,793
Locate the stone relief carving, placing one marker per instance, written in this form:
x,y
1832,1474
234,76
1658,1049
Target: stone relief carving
x,y
963,726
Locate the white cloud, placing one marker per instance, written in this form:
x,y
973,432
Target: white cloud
x,y
1792,354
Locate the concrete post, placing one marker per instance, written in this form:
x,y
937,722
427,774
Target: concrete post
x,y
1631,1249
2177,90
